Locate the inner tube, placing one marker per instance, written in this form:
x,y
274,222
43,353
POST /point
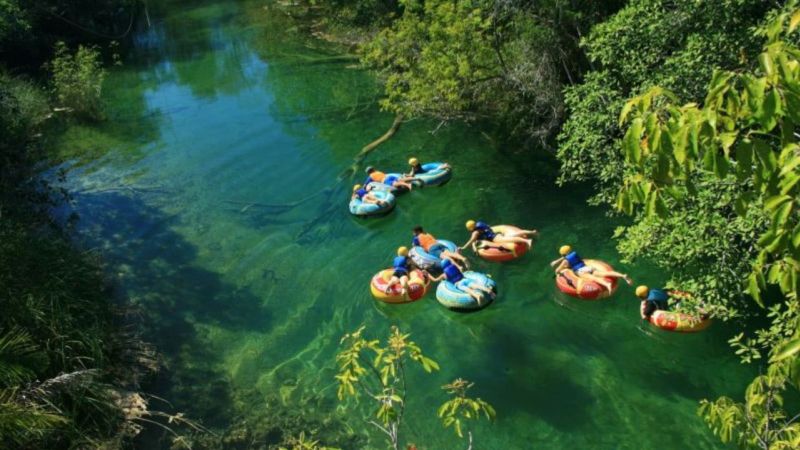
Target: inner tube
x,y
418,284
428,261
454,298
488,250
377,186
569,283
435,174
679,322
359,208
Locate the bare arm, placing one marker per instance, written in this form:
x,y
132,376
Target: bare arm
x,y
472,238
557,262
439,278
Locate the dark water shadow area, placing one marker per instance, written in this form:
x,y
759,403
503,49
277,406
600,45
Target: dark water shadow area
x,y
175,299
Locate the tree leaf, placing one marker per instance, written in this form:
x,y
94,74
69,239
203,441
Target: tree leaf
x,y
786,350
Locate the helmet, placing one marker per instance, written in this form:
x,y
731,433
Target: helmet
x,y
470,225
356,187
413,161
369,169
564,250
402,251
642,291
446,263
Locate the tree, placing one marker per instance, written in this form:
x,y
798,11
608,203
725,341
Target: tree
x,y
741,142
383,379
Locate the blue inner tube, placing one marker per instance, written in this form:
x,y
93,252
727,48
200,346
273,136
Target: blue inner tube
x,y
391,177
360,208
434,174
454,298
428,261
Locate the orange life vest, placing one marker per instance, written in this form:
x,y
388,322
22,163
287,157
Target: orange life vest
x,y
426,240
378,176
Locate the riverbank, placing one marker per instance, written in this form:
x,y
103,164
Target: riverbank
x,y
222,109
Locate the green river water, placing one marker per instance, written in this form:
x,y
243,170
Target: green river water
x,y
222,108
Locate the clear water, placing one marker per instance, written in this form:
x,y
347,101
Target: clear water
x,y
214,191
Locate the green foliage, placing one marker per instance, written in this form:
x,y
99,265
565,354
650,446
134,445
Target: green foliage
x,y
501,60
385,382
759,422
674,44
734,162
461,407
379,372
434,57
78,80
301,442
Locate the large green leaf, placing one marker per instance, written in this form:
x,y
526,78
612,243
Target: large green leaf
x,y
787,350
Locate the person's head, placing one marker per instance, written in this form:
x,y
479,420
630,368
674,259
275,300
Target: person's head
x,y
418,230
446,263
413,162
564,250
470,225
402,251
642,291
356,187
369,170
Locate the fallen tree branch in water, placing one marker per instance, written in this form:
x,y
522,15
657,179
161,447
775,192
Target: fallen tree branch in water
x,y
398,120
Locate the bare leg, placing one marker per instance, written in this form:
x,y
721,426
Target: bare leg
x,y
455,257
597,279
394,280
612,274
503,239
403,284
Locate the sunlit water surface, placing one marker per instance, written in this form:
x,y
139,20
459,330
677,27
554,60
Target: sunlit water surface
x,y
214,191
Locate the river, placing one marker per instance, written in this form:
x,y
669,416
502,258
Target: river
x,y
214,191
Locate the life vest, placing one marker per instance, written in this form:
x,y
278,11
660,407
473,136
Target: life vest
x,y
453,274
485,231
361,193
574,260
377,176
400,263
426,240
659,298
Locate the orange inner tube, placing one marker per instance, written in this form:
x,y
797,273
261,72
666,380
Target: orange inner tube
x,y
510,251
571,284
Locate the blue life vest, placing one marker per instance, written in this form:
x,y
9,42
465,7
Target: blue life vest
x,y
453,274
659,298
574,260
361,193
485,231
400,264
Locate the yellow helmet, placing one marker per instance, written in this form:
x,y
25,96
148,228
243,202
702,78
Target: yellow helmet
x,y
356,187
564,250
402,251
470,225
642,291
413,161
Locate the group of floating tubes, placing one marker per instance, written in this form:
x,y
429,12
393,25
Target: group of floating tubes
x,y
436,174
490,251
359,207
568,282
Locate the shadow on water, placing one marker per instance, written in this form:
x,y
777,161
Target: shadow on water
x,y
176,299
539,377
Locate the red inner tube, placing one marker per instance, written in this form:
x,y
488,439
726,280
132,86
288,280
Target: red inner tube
x,y
569,283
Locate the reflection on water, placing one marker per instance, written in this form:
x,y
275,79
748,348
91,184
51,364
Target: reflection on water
x,y
219,202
